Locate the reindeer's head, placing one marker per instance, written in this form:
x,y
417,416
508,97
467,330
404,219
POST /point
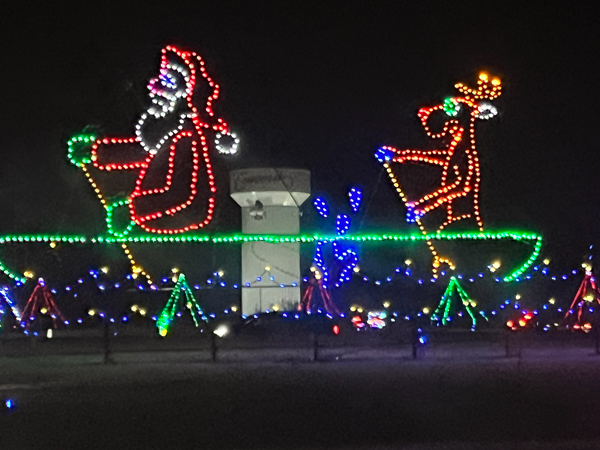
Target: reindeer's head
x,y
475,99
472,104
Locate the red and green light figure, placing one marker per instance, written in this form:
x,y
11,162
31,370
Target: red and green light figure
x,y
447,307
176,305
172,188
457,191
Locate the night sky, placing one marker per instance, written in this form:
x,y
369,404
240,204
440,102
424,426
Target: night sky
x,y
315,85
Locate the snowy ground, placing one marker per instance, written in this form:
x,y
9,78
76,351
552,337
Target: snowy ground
x,y
457,396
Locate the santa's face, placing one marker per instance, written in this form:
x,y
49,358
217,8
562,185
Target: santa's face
x,y
168,93
168,89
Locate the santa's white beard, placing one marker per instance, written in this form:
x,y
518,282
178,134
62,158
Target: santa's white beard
x,y
153,129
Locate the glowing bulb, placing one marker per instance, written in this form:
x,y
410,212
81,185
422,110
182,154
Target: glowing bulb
x,y
104,269
221,273
44,310
92,312
221,330
134,308
356,269
275,308
546,261
28,274
386,304
408,262
142,312
234,308
162,332
425,310
552,301
268,268
175,270
518,296
52,244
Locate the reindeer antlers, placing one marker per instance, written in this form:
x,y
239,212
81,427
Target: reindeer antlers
x,y
484,90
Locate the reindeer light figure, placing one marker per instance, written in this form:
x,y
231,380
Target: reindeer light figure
x,y
457,158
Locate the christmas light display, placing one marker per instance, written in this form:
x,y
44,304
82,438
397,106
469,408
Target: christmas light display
x,y
526,237
355,196
321,207
579,314
446,308
457,159
8,304
376,319
225,150
41,301
345,257
174,306
308,303
184,198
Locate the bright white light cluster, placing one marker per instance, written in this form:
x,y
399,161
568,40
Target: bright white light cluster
x,y
231,149
165,94
486,111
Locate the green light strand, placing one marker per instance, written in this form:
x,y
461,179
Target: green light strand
x,y
517,236
165,320
76,142
109,219
446,304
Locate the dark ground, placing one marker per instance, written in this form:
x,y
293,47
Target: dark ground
x,y
462,395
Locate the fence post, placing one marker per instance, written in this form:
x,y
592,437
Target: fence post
x,y
107,341
213,345
315,356
415,342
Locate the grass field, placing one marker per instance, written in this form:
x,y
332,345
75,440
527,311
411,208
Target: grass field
x,y
455,396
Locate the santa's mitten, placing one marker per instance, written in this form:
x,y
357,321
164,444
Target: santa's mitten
x,y
80,149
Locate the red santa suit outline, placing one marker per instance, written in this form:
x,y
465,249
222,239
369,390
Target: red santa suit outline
x,y
104,149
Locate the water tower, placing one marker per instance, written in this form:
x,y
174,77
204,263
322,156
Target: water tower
x,y
270,200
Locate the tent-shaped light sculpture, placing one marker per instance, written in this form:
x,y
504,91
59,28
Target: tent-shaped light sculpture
x,y
446,309
581,308
8,304
175,305
41,301
307,304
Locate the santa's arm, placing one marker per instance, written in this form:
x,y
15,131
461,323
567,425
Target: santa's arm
x,y
119,154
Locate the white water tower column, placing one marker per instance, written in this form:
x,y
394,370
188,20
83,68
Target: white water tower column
x,y
270,200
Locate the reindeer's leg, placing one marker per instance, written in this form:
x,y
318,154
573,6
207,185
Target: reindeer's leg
x,y
451,218
438,260
444,195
